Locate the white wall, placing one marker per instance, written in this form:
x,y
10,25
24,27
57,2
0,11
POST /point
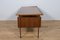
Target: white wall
x,y
50,8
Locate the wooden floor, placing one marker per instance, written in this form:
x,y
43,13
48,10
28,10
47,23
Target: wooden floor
x,y
50,30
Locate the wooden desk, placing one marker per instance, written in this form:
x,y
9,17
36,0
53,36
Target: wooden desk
x,y
29,17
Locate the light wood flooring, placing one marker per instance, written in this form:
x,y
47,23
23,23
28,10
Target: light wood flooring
x,y
50,30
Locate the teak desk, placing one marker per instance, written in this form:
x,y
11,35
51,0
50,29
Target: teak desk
x,y
29,17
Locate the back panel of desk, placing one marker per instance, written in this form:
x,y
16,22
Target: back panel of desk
x,y
29,21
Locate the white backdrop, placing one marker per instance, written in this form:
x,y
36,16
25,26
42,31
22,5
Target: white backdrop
x,y
50,8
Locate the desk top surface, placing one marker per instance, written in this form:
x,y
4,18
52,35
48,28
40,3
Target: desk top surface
x,y
29,10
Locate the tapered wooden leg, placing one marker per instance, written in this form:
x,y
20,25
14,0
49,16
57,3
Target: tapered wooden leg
x,y
38,32
20,32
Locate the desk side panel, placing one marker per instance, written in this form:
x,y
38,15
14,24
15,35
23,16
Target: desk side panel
x,y
29,21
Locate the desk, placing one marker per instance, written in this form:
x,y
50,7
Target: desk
x,y
29,17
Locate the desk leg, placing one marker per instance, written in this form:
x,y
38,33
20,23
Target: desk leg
x,y
38,32
20,32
